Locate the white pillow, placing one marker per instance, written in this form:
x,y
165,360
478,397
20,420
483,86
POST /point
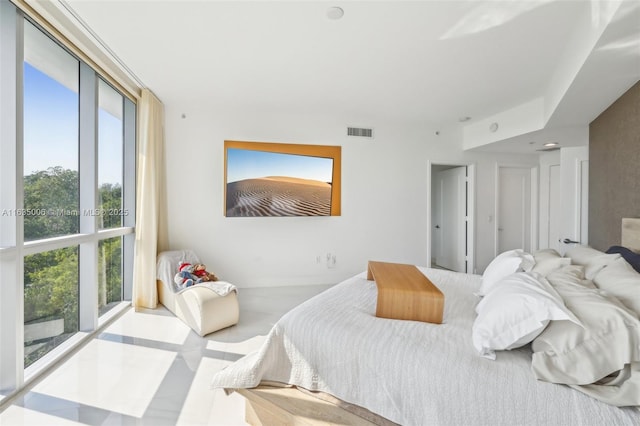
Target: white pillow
x,y
544,254
547,265
594,266
580,255
504,265
622,281
593,260
516,311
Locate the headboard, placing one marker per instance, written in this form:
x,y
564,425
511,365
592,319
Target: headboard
x,y
631,233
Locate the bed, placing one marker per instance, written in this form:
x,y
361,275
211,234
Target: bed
x,y
416,373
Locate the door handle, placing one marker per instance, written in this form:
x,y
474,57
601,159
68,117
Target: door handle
x,y
437,226
568,241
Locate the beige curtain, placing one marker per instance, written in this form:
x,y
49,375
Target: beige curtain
x,y
148,189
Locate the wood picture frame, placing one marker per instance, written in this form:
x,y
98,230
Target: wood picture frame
x,y
266,179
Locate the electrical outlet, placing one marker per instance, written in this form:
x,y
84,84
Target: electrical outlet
x,y
332,261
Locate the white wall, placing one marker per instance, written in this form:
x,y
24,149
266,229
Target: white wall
x,y
384,196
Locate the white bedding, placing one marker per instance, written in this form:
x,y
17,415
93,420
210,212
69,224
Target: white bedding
x,y
412,373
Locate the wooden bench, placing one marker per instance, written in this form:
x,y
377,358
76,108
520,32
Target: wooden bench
x,y
405,293
267,406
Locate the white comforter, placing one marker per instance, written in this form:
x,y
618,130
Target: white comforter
x,y
412,373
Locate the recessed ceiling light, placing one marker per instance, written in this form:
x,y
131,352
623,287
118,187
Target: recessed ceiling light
x,y
493,127
335,13
463,119
548,144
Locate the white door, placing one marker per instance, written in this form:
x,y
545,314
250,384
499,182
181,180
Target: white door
x,y
550,196
450,226
436,214
574,198
514,208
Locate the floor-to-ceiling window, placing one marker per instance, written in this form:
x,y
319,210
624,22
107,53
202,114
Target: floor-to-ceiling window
x,y
67,176
110,179
50,99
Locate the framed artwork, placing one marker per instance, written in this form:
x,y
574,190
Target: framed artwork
x,y
278,179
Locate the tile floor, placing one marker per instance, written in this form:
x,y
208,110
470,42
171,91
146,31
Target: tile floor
x,y
149,368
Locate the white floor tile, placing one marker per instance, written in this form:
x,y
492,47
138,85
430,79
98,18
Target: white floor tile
x,y
242,347
149,368
15,415
150,326
200,406
110,376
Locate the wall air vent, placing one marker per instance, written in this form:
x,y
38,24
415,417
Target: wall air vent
x,y
360,132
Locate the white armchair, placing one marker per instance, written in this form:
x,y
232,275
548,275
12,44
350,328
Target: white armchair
x,y
204,308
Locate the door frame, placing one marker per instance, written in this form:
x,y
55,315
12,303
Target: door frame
x,y
533,231
471,210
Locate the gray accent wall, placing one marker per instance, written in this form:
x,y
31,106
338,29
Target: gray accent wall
x,y
614,169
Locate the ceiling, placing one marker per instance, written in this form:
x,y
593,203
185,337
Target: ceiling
x,y
417,61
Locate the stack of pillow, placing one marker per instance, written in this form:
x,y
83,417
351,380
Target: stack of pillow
x,y
580,312
517,303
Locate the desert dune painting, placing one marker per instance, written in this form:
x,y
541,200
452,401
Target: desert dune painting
x,y
261,183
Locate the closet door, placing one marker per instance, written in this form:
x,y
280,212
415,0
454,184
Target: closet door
x,y
574,198
550,198
514,208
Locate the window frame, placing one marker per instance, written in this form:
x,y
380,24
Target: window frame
x,y
13,248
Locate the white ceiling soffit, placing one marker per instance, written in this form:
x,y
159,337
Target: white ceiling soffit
x,y
612,67
110,100
417,61
70,25
602,62
45,55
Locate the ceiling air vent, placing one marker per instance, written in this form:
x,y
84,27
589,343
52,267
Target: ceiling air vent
x,y
360,132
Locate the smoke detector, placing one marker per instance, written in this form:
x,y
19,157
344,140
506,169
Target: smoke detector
x,y
334,13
